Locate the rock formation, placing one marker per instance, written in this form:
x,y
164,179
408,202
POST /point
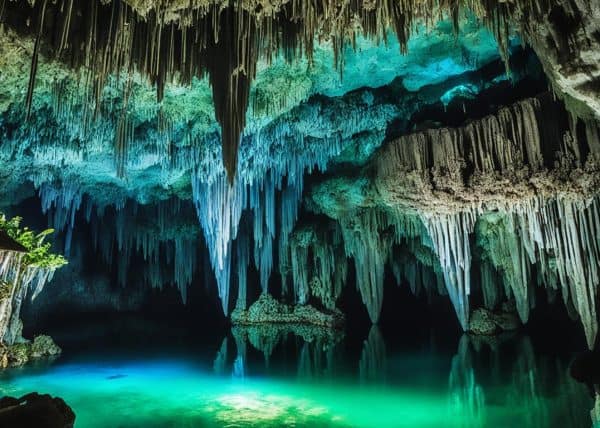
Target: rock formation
x,y
267,310
418,137
25,267
36,410
521,181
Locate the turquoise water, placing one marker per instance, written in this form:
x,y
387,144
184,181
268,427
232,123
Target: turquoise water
x,y
297,378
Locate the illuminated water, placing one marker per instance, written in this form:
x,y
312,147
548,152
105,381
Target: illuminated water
x,y
269,379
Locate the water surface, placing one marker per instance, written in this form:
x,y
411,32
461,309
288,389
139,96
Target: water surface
x,y
273,377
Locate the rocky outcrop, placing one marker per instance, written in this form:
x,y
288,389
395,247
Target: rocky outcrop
x,y
485,322
566,38
24,351
36,410
267,310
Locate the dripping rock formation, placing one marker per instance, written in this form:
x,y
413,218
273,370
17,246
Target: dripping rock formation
x,y
282,153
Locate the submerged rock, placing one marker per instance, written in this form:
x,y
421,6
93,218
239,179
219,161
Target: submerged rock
x,y
21,353
485,322
268,310
35,410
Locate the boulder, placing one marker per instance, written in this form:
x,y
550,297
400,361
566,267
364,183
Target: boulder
x,y
44,346
481,322
22,352
35,410
485,322
269,310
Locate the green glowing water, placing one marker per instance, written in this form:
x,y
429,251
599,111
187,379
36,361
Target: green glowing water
x,y
316,383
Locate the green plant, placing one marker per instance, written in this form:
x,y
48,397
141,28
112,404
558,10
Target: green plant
x,y
38,252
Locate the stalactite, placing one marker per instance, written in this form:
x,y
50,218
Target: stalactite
x,y
500,237
319,264
157,243
450,236
564,234
220,207
61,203
415,262
504,142
370,249
450,176
559,236
111,38
120,43
231,69
242,246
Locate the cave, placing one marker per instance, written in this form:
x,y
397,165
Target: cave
x,y
299,213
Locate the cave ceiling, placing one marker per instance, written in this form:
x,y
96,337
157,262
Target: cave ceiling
x,y
177,41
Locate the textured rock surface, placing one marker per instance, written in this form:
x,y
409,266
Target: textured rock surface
x,y
267,310
419,160
44,346
24,351
485,322
521,181
36,410
565,37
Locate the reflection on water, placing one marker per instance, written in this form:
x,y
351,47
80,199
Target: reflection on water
x,y
317,346
596,411
466,395
490,379
540,389
271,376
220,363
372,365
